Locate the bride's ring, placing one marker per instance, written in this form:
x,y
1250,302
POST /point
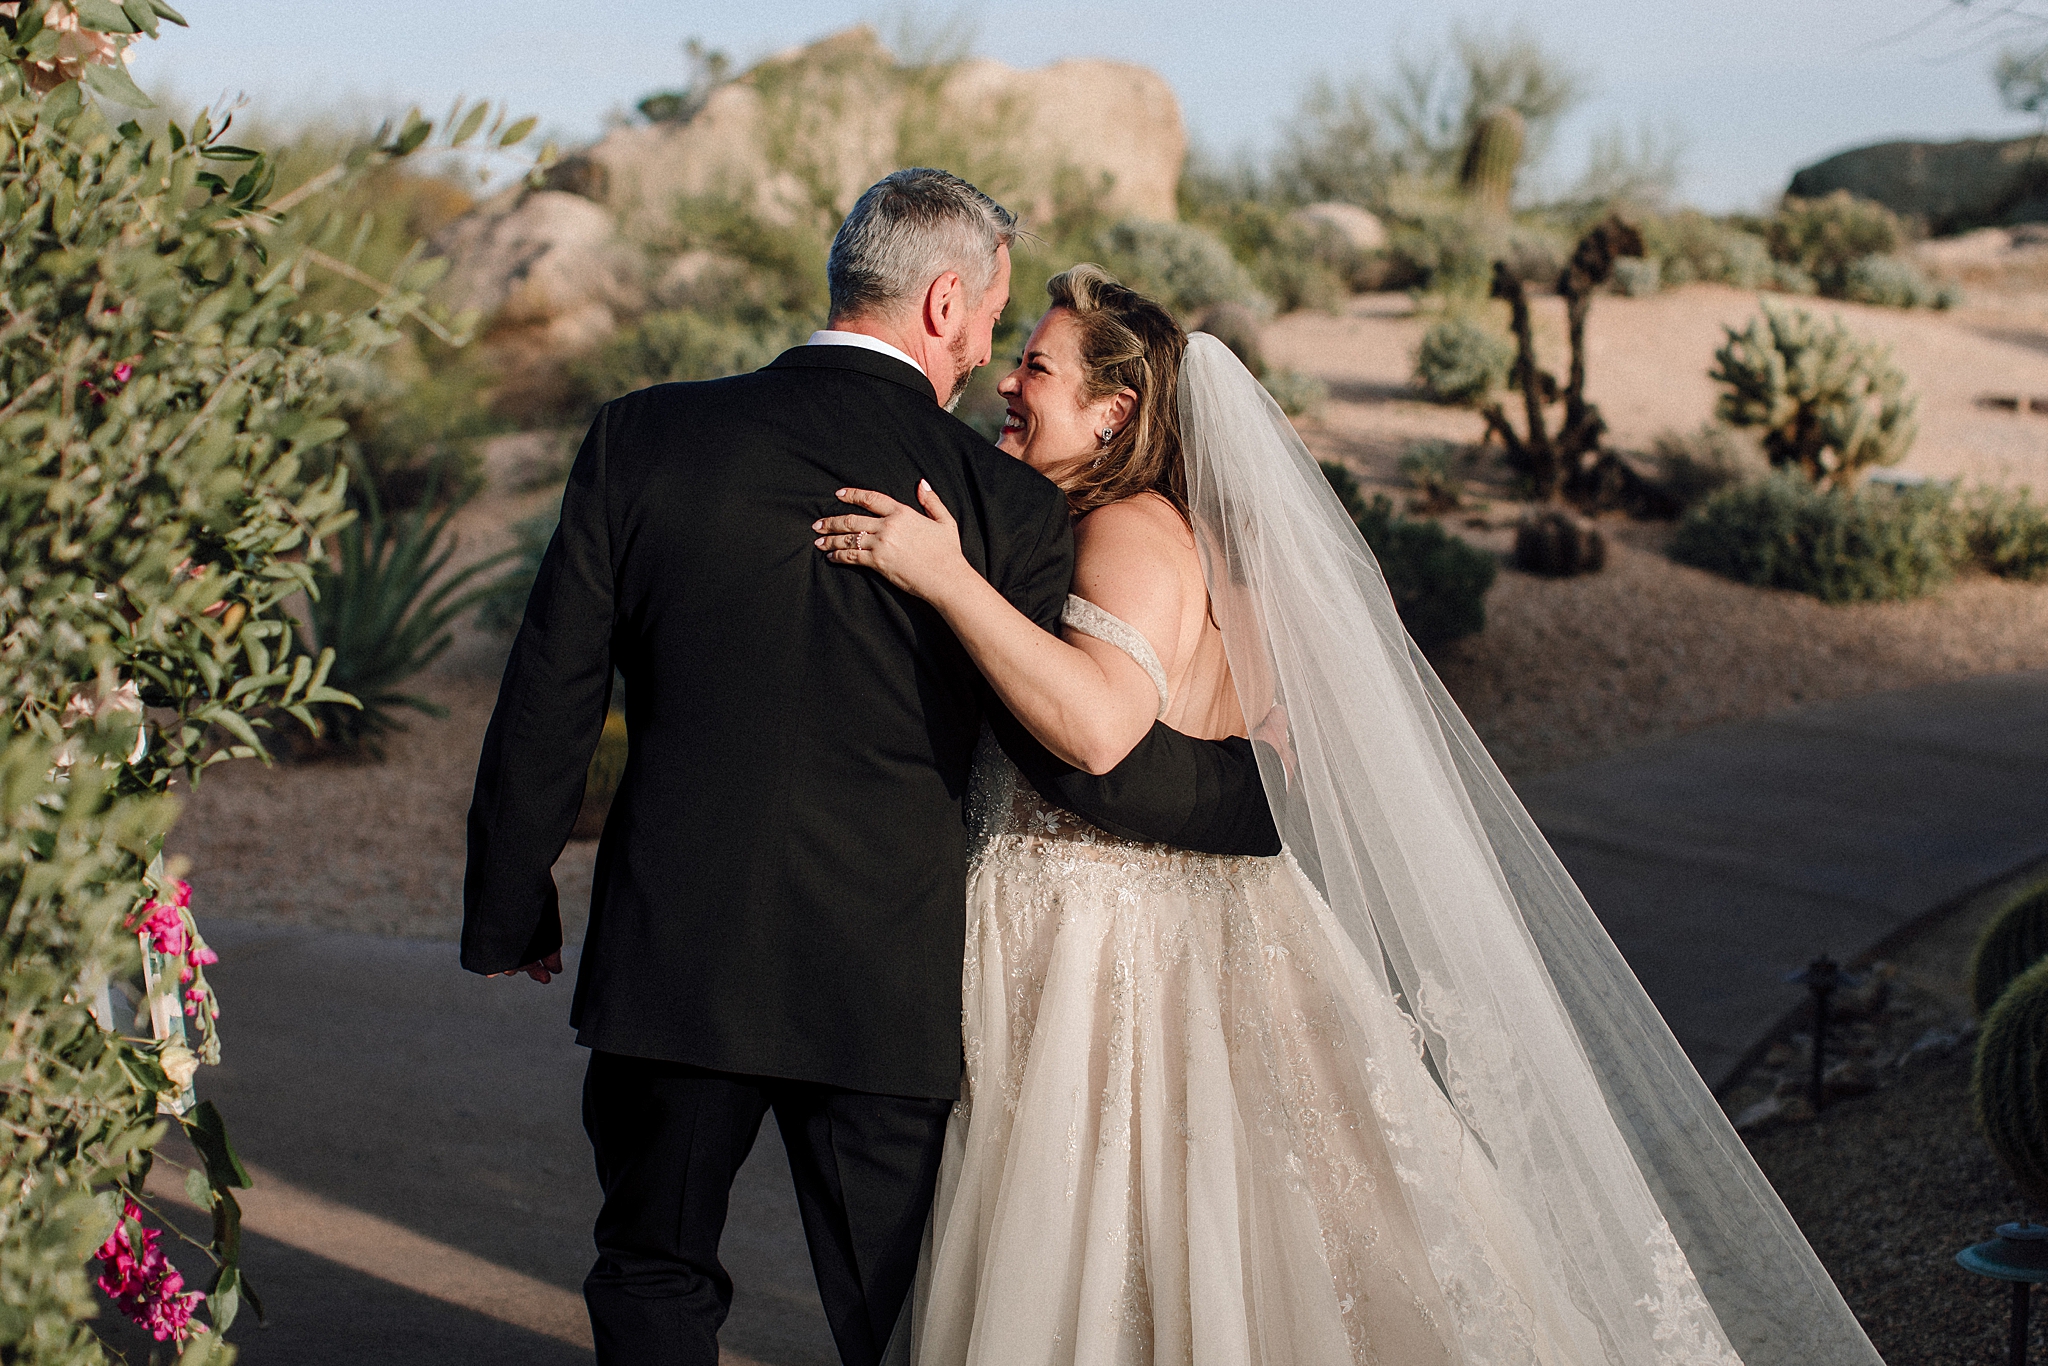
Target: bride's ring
x,y
856,539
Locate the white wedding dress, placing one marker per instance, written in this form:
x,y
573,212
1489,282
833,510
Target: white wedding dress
x,y
1390,1097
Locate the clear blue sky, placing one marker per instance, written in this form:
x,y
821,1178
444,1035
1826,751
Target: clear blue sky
x,y
1755,87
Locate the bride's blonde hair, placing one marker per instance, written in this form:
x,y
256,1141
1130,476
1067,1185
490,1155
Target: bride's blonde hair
x,y
1127,342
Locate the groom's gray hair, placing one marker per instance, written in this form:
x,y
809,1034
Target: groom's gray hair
x,y
909,228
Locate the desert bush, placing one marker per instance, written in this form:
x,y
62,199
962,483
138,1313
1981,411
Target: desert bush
x,y
1554,543
1298,395
1461,360
1183,267
1839,546
1694,465
383,606
1638,278
1694,247
1295,264
1437,580
2014,940
1894,282
1435,470
1826,405
601,781
506,605
1825,237
678,344
2008,533
166,401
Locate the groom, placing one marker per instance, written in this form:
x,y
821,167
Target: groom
x,y
777,918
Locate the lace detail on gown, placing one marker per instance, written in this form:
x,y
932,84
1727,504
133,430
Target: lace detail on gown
x,y
1196,1128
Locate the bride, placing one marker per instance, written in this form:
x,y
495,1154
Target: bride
x,y
1390,1096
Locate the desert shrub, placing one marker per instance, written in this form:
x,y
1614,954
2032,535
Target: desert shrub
x,y
1461,360
1839,546
1825,404
1825,237
601,781
2008,533
1694,247
384,606
1694,465
166,400
1296,264
1435,470
1894,282
1437,580
678,344
506,605
1297,394
1183,267
1438,241
1638,278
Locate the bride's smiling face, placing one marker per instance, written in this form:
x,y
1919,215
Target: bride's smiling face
x,y
1050,424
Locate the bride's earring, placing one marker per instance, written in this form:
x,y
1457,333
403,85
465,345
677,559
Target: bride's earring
x,y
1108,434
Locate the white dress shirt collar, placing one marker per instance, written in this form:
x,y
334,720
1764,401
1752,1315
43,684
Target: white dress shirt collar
x,y
828,337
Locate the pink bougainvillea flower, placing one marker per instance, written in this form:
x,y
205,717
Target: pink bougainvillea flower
x,y
122,372
143,1284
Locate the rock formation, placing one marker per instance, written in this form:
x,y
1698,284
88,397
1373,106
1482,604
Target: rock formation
x,y
1949,186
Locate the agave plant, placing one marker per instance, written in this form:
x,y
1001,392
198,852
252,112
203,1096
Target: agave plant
x,y
385,606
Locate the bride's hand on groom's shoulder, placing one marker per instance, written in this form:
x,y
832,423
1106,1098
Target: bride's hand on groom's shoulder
x,y
918,551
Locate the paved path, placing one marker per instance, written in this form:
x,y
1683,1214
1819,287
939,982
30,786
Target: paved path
x,y
426,1193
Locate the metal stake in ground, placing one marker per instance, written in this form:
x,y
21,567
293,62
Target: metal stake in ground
x,y
2018,1254
1821,977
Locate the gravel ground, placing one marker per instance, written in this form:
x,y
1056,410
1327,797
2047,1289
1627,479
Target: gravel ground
x,y
1889,1185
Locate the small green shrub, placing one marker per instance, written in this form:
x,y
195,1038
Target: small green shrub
x,y
1436,471
1693,247
1825,237
1826,404
1782,532
2006,1081
601,782
384,605
1693,465
506,605
1182,267
678,344
1638,278
2008,533
2015,940
1894,282
1437,580
1461,360
1297,394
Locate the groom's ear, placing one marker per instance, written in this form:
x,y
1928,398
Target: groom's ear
x,y
945,305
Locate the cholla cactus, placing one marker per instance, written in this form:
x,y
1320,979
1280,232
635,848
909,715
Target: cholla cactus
x,y
2006,1082
2015,940
1828,405
1488,174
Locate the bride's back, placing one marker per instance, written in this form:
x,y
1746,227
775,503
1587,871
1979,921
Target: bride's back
x,y
1137,560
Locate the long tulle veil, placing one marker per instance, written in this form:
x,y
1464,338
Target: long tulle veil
x,y
1613,1153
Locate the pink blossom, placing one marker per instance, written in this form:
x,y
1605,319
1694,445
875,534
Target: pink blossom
x,y
122,372
144,1285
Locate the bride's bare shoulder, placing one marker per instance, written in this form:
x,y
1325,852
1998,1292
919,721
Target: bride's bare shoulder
x,y
1132,549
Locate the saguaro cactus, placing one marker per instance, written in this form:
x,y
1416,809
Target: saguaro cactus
x,y
1488,174
2010,1082
2015,940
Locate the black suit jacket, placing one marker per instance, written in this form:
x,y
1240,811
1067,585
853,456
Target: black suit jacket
x,y
780,883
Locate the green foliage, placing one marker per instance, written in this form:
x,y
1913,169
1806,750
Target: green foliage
x,y
1436,471
709,69
1691,466
2022,79
1438,581
1691,246
2015,940
1183,267
1637,277
1839,546
1825,237
1894,282
169,417
601,782
506,606
678,344
383,608
2008,533
1492,156
2007,1079
1461,360
1826,405
1297,394
1296,264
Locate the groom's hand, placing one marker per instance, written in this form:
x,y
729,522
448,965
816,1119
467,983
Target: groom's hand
x,y
543,972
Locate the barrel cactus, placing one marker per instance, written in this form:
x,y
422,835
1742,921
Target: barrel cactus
x,y
2015,940
2009,1082
1488,174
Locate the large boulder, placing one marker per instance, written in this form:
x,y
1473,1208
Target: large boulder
x,y
1949,186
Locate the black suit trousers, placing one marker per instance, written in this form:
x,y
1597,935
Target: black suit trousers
x,y
669,1138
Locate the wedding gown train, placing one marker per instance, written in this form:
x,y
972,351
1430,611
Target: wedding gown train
x,y
1198,1127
